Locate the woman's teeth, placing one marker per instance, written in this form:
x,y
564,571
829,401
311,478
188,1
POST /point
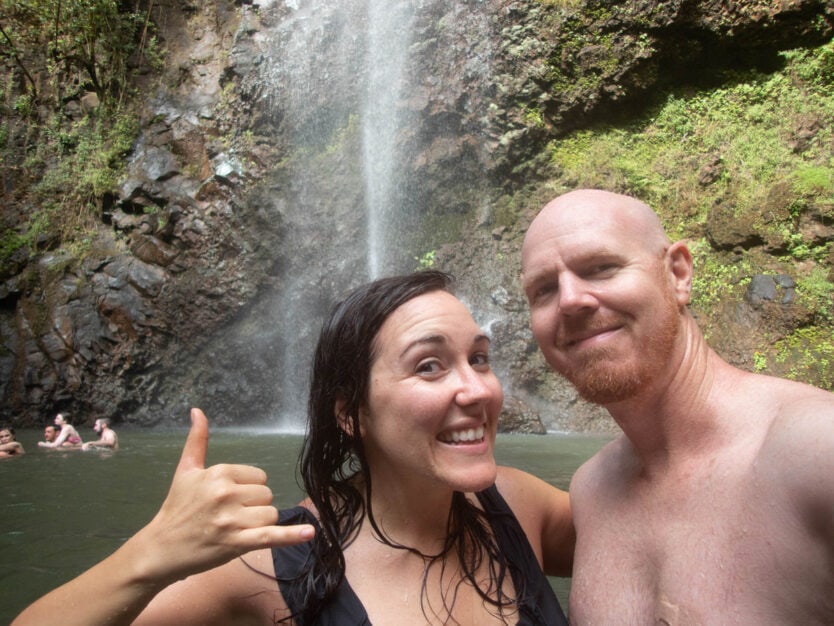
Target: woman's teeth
x,y
463,436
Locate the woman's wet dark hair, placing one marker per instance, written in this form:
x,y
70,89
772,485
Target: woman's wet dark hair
x,y
333,466
341,370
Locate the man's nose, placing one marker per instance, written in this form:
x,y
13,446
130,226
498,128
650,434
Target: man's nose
x,y
575,295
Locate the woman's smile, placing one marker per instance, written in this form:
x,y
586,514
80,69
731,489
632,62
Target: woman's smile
x,y
463,436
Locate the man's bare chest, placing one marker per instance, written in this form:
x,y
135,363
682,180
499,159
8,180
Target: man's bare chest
x,y
687,554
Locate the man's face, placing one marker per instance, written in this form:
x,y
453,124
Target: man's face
x,y
97,426
49,433
601,304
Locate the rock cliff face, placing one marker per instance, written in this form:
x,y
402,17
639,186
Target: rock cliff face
x,y
241,216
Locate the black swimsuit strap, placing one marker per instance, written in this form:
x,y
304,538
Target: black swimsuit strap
x,y
344,609
538,605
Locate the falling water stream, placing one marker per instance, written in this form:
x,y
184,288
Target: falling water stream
x,y
341,80
389,38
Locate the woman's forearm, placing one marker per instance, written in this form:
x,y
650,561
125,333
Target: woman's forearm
x,y
111,593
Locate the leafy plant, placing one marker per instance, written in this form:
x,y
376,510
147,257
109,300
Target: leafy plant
x,y
810,353
759,362
84,41
816,291
714,277
427,260
86,161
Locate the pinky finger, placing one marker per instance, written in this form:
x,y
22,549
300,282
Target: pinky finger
x,y
276,536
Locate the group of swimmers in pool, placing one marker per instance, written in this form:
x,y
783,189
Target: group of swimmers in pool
x,y
61,435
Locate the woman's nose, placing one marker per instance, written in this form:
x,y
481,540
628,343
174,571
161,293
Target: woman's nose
x,y
475,386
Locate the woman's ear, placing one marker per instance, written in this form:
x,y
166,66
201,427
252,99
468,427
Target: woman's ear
x,y
680,264
342,417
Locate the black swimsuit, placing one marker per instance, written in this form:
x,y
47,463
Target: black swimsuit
x,y
538,607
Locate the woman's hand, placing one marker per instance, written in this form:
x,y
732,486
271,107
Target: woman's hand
x,y
213,514
210,516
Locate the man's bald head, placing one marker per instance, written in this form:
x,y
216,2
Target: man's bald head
x,y
628,215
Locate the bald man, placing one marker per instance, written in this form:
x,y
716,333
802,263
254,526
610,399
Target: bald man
x,y
716,505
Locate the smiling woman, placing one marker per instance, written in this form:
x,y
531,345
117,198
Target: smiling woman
x,y
414,522
432,388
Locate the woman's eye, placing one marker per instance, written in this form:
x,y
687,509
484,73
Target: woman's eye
x,y
481,359
428,367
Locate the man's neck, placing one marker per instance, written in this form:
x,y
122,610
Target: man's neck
x,y
675,417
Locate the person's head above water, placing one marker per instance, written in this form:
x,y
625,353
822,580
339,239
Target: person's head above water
x,y
607,292
396,315
346,345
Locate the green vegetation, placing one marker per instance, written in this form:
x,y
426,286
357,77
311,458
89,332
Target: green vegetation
x,y
426,261
89,161
66,126
55,44
755,153
716,278
816,292
560,4
748,131
534,118
807,354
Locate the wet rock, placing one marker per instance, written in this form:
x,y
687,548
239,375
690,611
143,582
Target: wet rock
x,y
729,230
761,288
178,288
90,102
517,417
153,250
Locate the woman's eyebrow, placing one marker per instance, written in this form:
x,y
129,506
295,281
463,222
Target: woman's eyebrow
x,y
439,340
425,340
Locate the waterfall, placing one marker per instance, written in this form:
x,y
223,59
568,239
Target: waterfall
x,y
341,80
389,38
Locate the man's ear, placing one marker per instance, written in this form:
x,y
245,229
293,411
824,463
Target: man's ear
x,y
680,263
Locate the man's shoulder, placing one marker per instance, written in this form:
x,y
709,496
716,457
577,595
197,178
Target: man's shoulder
x,y
799,409
785,409
604,469
799,443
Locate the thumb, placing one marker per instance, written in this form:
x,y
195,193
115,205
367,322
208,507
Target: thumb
x,y
196,444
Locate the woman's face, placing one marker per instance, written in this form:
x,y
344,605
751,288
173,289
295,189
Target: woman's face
x,y
433,399
59,420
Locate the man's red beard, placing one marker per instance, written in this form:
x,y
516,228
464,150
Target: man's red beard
x,y
603,376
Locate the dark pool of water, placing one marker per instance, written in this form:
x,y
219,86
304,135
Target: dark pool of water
x,y
61,512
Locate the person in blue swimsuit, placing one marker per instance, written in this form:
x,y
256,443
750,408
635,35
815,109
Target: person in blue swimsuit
x,y
407,520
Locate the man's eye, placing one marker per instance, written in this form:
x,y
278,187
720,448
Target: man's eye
x,y
604,269
543,291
